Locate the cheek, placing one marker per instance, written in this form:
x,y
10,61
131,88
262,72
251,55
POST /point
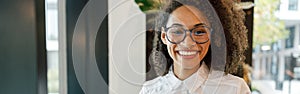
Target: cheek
x,y
171,50
203,49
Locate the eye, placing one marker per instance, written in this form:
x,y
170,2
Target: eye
x,y
198,33
178,32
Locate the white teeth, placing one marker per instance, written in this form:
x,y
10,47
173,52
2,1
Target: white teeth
x,y
187,52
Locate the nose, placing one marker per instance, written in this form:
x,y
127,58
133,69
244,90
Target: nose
x,y
188,41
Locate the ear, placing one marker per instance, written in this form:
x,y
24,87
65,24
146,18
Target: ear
x,y
163,36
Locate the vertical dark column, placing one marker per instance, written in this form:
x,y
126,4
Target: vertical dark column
x,y
41,46
101,48
249,25
22,47
73,10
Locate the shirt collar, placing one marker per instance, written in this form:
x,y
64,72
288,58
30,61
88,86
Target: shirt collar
x,y
193,82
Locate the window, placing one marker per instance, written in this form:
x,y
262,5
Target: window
x,y
52,46
268,66
287,60
293,5
289,42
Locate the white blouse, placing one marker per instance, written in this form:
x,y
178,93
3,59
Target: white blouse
x,y
201,82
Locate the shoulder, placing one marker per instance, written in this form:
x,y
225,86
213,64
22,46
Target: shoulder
x,y
234,78
240,83
153,86
227,79
153,82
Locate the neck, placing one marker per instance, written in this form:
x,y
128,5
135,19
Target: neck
x,y
183,73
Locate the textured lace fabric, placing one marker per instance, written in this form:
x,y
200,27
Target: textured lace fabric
x,y
201,82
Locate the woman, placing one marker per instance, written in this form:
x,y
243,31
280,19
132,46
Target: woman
x,y
199,61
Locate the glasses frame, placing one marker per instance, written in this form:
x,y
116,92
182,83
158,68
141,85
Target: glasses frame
x,y
167,28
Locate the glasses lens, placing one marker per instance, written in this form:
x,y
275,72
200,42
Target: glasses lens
x,y
200,34
175,34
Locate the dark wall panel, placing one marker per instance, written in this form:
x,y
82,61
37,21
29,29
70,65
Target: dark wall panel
x,y
74,7
22,47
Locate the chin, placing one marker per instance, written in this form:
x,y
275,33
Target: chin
x,y
188,64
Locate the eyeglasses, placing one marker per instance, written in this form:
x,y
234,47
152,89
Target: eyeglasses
x,y
177,33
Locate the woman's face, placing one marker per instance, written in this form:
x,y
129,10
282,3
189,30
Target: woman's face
x,y
186,54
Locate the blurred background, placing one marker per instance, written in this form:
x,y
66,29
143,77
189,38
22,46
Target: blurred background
x,y
273,59
276,47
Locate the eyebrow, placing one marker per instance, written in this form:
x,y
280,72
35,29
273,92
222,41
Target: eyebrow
x,y
199,24
177,24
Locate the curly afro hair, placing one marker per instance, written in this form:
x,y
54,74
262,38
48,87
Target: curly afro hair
x,y
232,20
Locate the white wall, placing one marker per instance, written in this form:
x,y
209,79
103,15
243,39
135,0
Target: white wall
x,y
127,47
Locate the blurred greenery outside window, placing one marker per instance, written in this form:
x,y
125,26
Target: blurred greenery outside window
x,y
268,28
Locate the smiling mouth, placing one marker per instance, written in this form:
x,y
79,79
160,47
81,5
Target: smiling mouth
x,y
187,54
